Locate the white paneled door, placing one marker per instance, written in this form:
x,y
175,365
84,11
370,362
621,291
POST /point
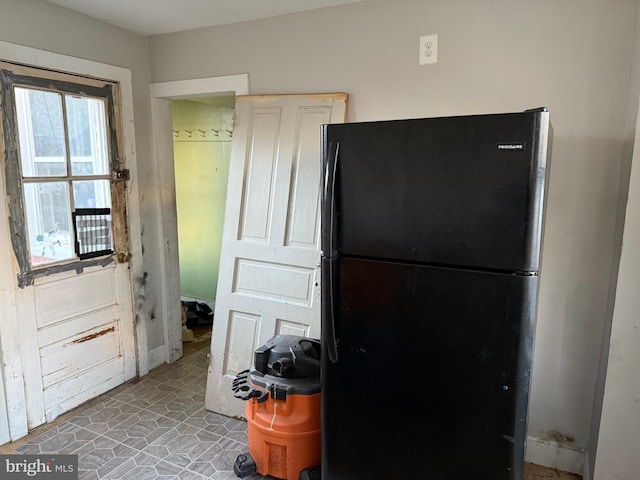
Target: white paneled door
x,y
65,239
269,279
81,336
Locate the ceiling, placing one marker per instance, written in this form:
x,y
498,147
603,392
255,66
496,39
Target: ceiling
x,y
152,17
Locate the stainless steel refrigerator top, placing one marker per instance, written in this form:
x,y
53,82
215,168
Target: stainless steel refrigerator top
x,y
431,239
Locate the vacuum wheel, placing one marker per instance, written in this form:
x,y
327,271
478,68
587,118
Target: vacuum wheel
x,y
312,473
245,465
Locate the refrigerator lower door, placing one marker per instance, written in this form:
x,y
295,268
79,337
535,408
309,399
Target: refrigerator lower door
x,y
431,376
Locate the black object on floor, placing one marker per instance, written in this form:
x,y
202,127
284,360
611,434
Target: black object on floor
x,y
198,314
312,473
244,465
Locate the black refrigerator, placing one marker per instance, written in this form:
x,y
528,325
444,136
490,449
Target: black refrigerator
x,y
431,242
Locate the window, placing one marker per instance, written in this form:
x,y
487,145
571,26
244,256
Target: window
x,y
61,153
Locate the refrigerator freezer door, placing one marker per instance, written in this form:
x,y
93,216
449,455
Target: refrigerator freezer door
x,y
461,191
432,373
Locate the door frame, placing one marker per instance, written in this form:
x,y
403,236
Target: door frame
x,y
11,344
161,96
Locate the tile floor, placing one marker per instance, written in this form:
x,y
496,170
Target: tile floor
x,y
156,427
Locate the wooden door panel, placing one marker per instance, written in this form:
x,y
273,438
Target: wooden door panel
x,y
302,229
257,193
242,335
269,270
78,329
64,360
63,396
274,281
290,327
96,290
80,337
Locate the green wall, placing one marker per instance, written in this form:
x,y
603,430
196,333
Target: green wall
x,y
201,157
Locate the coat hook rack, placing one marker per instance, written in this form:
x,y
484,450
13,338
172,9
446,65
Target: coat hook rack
x,y
203,132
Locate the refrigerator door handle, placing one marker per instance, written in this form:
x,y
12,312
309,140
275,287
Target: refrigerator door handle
x,y
330,323
328,200
329,193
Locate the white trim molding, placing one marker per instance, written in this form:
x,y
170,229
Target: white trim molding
x,y
549,453
586,473
156,357
202,87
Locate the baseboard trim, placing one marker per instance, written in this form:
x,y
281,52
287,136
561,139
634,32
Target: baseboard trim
x,y
157,357
552,454
586,475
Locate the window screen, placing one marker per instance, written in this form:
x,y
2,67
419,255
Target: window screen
x,y
93,232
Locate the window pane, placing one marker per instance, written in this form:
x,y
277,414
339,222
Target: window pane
x,y
92,194
40,132
87,126
48,222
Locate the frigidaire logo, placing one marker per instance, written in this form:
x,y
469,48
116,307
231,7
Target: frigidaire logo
x,y
51,467
512,146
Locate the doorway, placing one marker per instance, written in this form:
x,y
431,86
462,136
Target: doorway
x,y
162,96
202,134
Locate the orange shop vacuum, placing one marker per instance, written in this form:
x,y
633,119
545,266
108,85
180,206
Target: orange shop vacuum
x,y
282,391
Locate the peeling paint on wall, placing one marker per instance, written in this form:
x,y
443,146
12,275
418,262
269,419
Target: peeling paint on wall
x,y
26,279
12,172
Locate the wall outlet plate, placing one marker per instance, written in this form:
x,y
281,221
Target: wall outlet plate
x,y
428,49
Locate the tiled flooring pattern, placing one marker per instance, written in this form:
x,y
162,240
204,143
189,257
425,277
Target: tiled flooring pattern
x,y
157,428
154,428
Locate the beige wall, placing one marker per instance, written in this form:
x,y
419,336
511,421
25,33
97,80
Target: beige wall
x,y
616,457
573,56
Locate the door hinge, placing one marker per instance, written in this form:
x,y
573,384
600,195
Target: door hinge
x,y
120,175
